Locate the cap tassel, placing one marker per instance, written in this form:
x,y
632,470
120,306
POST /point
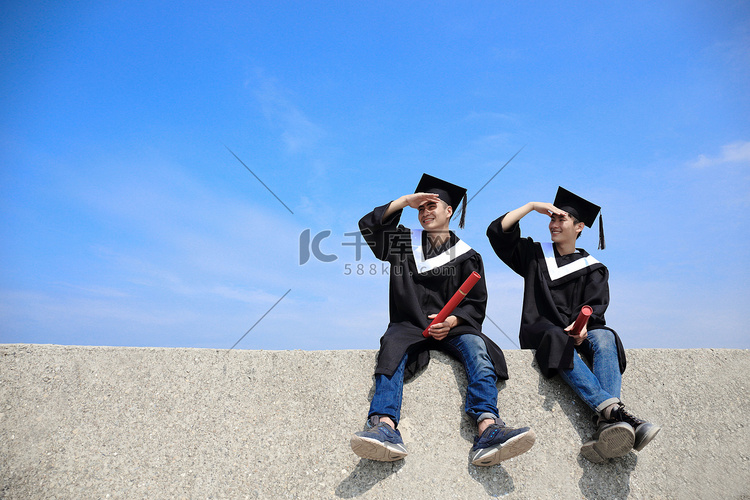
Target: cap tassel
x,y
463,213
601,233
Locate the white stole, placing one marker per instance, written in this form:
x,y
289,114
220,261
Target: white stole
x,y
556,272
426,265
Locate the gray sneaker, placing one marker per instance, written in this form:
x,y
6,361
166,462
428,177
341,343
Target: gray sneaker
x,y
499,442
611,439
379,441
644,431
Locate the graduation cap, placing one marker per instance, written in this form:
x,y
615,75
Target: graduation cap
x,y
583,210
449,193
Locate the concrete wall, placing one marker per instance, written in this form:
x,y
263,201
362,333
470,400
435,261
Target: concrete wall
x,y
103,422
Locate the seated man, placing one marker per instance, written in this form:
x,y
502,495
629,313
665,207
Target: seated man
x,y
427,268
559,280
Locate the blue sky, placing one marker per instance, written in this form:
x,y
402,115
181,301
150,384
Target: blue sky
x,y
126,220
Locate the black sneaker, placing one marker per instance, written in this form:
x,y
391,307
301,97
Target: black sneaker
x,y
499,442
379,441
611,440
644,431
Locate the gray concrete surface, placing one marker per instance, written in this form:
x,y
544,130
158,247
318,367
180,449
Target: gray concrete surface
x,y
104,422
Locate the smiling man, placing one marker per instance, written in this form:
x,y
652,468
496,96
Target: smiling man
x,y
427,268
559,279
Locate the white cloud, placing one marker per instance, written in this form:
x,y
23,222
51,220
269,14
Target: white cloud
x,y
500,140
298,132
736,152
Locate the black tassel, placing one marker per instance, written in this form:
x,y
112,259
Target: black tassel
x,y
601,233
463,213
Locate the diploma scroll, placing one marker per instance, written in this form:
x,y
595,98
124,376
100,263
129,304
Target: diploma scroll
x,y
581,320
451,305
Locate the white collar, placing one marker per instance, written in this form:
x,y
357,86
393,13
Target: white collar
x,y
556,272
425,265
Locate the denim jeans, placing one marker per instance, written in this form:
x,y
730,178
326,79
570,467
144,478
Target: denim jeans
x,y
598,386
481,392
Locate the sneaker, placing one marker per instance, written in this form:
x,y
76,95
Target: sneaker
x,y
644,431
379,441
611,440
499,442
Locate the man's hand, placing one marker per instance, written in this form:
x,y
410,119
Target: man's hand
x,y
533,206
439,331
577,339
410,200
546,208
418,199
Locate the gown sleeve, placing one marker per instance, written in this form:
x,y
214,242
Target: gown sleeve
x,y
472,308
515,251
596,295
380,234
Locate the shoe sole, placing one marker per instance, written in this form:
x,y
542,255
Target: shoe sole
x,y
647,436
613,442
372,449
513,447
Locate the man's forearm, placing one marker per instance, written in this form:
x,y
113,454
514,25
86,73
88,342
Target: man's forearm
x,y
395,206
512,217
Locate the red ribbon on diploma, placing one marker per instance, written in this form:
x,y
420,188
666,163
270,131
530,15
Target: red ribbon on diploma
x,y
457,297
581,320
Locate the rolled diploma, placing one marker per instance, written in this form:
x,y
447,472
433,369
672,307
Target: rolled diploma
x,y
581,320
451,305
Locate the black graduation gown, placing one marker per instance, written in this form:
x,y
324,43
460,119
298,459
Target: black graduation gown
x,y
420,287
555,289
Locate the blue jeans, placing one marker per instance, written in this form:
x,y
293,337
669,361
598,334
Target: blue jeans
x,y
481,392
598,386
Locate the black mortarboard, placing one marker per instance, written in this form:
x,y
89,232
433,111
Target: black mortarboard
x,y
583,210
449,193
